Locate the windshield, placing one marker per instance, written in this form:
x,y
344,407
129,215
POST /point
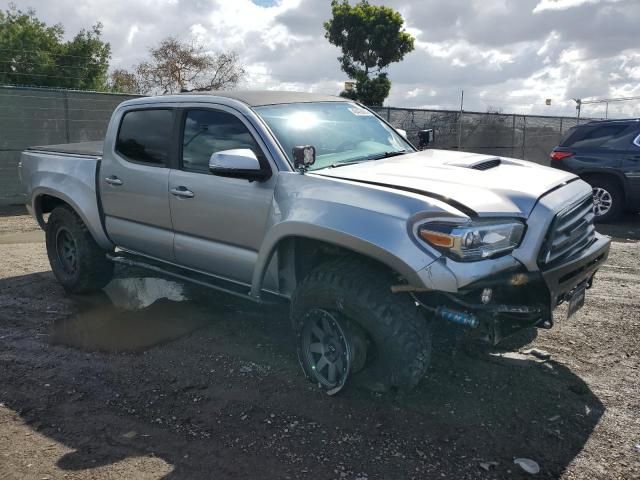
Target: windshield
x,y
341,132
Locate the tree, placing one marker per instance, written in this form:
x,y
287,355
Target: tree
x,y
371,38
33,53
123,81
176,66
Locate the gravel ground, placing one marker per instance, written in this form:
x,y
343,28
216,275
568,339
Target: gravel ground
x,y
196,385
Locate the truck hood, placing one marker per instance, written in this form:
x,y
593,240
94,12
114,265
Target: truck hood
x,y
477,184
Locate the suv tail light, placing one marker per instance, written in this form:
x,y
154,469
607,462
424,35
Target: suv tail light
x,y
561,155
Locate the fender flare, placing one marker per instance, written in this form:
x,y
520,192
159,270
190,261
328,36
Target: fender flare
x,y
98,233
324,233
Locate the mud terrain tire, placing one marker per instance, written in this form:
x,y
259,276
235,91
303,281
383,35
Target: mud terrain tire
x,y
77,261
398,333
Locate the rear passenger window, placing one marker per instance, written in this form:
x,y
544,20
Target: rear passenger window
x,y
207,132
145,136
624,141
594,137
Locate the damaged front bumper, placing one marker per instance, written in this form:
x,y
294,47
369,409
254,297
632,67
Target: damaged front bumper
x,y
502,304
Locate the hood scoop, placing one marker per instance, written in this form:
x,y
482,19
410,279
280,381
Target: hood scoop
x,y
487,164
477,162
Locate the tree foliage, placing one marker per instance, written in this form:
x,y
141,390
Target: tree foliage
x,y
175,66
371,38
123,81
34,53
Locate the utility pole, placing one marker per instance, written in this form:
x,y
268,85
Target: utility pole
x,y
460,120
578,107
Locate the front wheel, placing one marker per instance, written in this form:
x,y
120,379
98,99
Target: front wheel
x,y
326,349
77,261
350,324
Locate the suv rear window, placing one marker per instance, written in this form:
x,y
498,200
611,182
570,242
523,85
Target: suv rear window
x,y
603,136
145,136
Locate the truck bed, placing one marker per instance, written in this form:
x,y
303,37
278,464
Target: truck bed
x,y
93,149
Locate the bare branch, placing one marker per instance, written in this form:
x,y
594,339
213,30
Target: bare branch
x,y
177,66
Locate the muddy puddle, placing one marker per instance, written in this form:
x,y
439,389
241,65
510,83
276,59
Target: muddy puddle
x,y
132,314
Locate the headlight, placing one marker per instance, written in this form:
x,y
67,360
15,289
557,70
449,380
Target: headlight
x,y
473,240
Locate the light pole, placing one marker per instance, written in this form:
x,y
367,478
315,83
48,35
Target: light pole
x,y
578,107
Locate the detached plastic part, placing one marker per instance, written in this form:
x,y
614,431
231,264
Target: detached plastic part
x,y
528,465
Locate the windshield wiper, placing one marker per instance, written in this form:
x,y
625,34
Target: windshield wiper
x,y
389,154
347,162
379,156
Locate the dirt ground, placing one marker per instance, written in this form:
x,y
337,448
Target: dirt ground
x,y
154,379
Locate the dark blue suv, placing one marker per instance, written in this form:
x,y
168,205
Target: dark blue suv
x,y
606,154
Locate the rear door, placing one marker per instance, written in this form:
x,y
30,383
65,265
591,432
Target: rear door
x,y
597,147
133,180
219,222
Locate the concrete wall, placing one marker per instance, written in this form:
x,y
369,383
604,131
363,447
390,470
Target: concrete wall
x,y
38,116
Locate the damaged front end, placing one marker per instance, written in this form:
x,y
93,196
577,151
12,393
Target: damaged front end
x,y
500,305
495,307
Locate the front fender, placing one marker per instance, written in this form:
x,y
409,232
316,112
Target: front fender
x,y
373,221
396,251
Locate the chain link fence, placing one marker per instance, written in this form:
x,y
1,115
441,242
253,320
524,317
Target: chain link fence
x,y
530,137
41,116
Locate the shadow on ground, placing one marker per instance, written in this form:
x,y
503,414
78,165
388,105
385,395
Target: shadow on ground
x,y
626,228
211,385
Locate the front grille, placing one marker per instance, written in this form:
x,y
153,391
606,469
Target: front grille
x,y
570,233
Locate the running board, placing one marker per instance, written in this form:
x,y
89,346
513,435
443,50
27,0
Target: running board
x,y
202,279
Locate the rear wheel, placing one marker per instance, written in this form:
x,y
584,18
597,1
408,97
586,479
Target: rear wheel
x,y
608,199
350,324
77,261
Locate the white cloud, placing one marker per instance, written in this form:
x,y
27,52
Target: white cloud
x,y
565,4
506,54
132,33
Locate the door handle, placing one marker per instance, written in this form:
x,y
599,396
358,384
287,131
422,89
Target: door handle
x,y
182,192
113,180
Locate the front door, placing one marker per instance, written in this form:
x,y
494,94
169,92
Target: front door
x,y
134,180
219,222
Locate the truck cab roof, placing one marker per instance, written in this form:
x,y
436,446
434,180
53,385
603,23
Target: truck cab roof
x,y
251,98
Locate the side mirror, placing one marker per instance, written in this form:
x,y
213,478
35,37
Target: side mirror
x,y
304,157
402,132
239,163
425,138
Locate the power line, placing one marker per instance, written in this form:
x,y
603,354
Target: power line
x,y
47,52
68,91
608,100
102,120
42,75
68,97
50,65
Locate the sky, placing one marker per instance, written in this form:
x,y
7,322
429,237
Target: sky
x,y
507,55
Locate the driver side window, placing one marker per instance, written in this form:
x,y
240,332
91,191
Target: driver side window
x,y
207,132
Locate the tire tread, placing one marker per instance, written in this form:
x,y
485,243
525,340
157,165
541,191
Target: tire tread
x,y
391,319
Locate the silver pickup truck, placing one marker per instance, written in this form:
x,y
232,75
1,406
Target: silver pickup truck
x,y
316,201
